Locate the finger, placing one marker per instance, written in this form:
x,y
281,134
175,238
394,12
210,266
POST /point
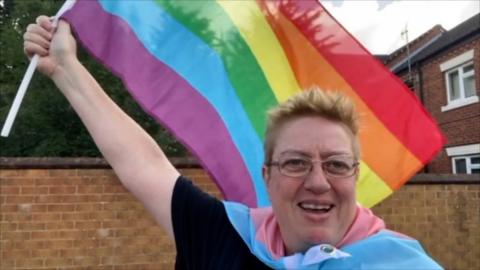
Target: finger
x,y
31,49
27,53
45,22
37,39
38,30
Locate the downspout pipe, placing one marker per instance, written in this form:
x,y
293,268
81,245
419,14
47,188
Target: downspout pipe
x,y
422,98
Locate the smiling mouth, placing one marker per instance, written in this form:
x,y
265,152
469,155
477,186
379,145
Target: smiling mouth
x,y
316,208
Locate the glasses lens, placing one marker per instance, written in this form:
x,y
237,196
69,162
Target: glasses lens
x,y
339,167
295,166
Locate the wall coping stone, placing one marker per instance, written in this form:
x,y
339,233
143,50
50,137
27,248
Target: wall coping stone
x,y
76,163
447,178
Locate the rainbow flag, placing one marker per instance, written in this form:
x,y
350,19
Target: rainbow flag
x,y
209,70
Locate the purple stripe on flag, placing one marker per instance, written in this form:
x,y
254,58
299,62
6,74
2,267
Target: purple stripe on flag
x,y
165,95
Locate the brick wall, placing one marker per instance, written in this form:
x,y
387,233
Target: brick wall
x,y
444,218
462,125
84,219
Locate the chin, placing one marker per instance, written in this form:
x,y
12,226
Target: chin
x,y
317,237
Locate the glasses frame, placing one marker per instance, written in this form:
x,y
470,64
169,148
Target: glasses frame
x,y
354,169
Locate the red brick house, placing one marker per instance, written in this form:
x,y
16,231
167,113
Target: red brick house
x,y
443,69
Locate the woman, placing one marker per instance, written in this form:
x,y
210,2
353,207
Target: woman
x,y
311,166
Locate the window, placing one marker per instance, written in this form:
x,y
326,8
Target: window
x,y
460,81
465,158
466,164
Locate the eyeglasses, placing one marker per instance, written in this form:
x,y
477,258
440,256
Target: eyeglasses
x,y
334,167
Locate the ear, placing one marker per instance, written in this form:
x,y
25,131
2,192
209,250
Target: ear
x,y
266,174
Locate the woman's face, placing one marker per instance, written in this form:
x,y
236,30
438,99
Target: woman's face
x,y
313,209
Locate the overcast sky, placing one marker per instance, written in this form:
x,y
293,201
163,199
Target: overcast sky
x,y
378,24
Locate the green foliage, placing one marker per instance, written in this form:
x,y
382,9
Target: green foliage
x,y
46,125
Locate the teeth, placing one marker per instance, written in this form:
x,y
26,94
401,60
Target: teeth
x,y
311,206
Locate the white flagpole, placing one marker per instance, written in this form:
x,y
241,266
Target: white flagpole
x,y
28,77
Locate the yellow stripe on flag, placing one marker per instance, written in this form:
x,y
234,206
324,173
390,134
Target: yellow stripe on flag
x,y
371,189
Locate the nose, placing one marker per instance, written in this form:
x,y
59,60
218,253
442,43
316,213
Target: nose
x,y
316,181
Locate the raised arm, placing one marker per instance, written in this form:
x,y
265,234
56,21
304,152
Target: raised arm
x,y
138,161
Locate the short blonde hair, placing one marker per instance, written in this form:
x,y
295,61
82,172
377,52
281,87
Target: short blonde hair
x,y
331,105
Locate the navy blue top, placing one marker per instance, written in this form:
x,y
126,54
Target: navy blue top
x,y
204,236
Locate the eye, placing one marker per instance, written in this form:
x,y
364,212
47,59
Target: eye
x,y
337,166
295,164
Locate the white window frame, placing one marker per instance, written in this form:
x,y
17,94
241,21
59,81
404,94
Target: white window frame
x,y
468,163
466,152
456,65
